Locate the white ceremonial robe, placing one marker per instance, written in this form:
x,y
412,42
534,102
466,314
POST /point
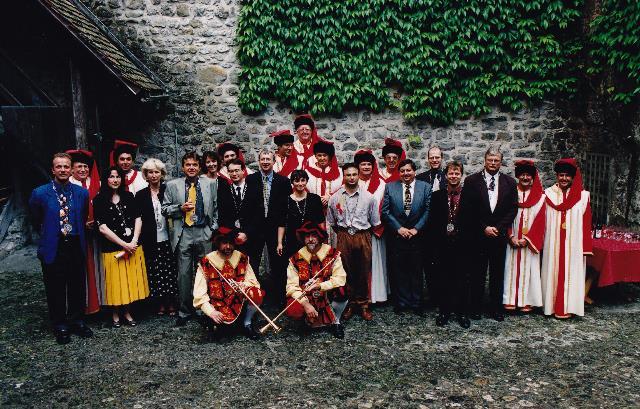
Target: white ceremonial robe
x,y
522,286
577,244
315,186
379,287
279,162
138,183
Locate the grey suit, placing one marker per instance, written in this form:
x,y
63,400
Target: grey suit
x,y
407,280
189,243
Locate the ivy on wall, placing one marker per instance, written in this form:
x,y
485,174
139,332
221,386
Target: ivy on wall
x,y
446,59
615,48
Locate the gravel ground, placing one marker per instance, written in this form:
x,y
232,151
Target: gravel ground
x,y
526,361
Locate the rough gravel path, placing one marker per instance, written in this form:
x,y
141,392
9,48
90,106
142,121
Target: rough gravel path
x,y
527,361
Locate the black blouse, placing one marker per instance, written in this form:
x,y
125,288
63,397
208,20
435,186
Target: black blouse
x,y
120,218
309,209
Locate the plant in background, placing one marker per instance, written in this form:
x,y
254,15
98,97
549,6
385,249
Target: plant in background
x,y
446,59
615,49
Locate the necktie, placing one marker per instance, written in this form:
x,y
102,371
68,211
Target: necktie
x,y
323,187
492,184
238,195
265,194
407,199
191,197
84,183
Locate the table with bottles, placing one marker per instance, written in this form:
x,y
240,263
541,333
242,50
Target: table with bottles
x,y
616,255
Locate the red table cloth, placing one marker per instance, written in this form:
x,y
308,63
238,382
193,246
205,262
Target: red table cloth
x,y
616,261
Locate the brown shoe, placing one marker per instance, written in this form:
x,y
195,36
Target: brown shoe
x,y
366,313
348,312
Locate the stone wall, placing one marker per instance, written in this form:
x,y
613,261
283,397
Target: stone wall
x,y
190,45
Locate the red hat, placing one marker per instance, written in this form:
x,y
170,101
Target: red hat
x,y
569,165
527,166
367,156
393,146
282,137
304,119
120,147
226,235
310,227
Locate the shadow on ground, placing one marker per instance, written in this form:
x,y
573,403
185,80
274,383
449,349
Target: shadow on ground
x,y
527,361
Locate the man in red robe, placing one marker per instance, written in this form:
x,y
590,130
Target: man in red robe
x,y
286,158
522,288
307,134
567,241
392,153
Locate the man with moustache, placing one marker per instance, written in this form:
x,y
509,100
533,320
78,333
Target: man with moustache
x,y
315,282
353,214
450,277
191,203
59,212
522,288
216,297
567,241
270,212
487,209
405,210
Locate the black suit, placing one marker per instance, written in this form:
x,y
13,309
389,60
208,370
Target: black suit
x,y
266,231
475,215
450,277
243,210
429,262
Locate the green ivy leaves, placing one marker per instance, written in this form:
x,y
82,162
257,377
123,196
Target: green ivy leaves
x,y
615,49
445,60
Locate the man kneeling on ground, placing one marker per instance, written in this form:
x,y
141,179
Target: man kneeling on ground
x,y
318,298
216,295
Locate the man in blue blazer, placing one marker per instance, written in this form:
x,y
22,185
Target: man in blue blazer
x,y
405,209
59,212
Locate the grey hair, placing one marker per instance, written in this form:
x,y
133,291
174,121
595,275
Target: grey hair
x,y
266,151
153,164
493,151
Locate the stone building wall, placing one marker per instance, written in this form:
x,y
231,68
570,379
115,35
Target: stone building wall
x,y
190,45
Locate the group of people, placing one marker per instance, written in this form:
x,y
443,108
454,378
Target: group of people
x,y
337,238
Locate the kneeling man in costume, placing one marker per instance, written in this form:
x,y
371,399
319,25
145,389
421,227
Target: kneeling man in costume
x,y
315,282
214,290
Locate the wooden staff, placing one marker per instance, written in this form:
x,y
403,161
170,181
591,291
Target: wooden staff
x,y
237,288
311,282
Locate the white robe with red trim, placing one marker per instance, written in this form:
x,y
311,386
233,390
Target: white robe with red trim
x,y
379,283
138,182
522,286
279,163
577,244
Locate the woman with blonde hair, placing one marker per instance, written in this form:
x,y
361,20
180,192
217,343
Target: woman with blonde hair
x,y
161,265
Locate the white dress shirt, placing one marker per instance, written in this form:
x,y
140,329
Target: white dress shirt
x,y
493,194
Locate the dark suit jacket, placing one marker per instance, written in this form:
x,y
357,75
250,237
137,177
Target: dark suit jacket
x,y
475,212
393,206
426,177
148,236
247,213
277,207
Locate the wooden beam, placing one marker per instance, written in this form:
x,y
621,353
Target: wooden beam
x,y
77,103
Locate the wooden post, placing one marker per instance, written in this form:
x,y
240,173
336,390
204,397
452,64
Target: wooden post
x,y
77,103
